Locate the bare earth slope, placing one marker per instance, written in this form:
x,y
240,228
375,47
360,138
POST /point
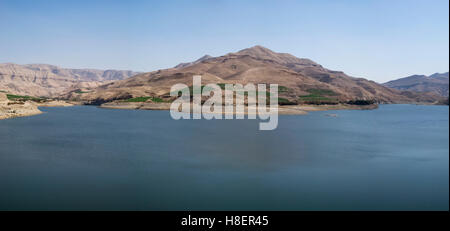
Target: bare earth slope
x,y
437,83
49,81
302,80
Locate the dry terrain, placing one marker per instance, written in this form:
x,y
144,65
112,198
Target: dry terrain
x,y
11,109
301,81
12,106
437,83
42,80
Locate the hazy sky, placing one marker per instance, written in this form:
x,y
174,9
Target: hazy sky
x,y
379,40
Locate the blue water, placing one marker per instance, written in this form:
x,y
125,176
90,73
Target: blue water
x,y
87,158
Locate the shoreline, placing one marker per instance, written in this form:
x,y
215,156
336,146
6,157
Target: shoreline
x,y
10,109
282,110
28,108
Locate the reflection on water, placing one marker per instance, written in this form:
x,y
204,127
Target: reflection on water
x,y
75,158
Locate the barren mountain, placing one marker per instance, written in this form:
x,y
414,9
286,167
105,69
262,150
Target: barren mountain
x,y
436,83
300,80
181,65
48,80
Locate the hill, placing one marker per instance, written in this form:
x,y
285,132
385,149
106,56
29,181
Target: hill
x,y
437,83
49,81
300,80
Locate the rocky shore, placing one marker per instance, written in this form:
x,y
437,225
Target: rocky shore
x,y
12,109
55,103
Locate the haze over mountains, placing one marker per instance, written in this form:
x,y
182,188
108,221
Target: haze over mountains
x,y
437,83
301,79
50,81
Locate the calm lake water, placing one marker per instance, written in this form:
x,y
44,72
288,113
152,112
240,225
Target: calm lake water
x,y
87,158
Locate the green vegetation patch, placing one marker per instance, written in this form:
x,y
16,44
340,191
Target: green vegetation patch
x,y
284,101
24,98
314,97
282,89
319,96
138,99
281,101
322,92
156,99
144,99
221,85
81,92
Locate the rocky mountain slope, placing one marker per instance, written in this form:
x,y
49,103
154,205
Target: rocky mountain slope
x,y
300,80
437,83
205,57
50,81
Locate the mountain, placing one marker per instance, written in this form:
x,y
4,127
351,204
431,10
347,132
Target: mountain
x,y
437,83
181,65
300,80
48,80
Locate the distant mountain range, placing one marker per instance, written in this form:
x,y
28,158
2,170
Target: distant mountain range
x,y
437,83
48,80
300,80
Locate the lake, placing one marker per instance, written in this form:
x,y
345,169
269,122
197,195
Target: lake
x,y
88,158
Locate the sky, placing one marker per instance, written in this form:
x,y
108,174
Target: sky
x,y
378,40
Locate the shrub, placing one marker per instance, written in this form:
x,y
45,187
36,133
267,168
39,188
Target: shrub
x,y
361,102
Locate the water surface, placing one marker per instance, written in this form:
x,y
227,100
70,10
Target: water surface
x,y
87,158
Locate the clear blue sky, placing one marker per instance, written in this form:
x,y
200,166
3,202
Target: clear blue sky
x,y
379,40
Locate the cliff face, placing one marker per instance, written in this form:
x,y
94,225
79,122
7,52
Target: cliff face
x,y
301,80
49,81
